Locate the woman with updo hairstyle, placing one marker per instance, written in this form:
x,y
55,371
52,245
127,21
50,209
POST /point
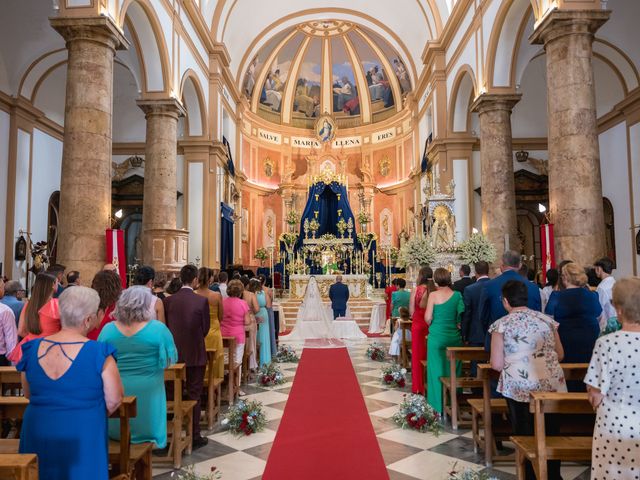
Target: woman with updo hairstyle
x,y
443,315
577,310
236,316
145,349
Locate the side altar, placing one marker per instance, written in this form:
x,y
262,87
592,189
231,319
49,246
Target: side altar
x,y
357,284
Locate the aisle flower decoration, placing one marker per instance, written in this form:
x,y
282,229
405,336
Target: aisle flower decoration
x,y
245,418
270,375
375,352
189,473
477,248
416,414
286,354
468,474
394,375
416,251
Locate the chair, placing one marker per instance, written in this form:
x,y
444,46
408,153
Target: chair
x,y
180,413
232,370
19,466
213,388
454,403
405,344
540,448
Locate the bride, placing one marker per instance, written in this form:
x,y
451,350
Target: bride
x,y
314,320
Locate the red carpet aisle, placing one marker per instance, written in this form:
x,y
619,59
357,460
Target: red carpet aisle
x,y
325,431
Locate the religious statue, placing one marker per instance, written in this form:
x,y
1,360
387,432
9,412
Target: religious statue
x,y
269,228
442,231
385,166
385,225
268,167
403,236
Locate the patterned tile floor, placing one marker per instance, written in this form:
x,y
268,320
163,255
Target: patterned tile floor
x,y
407,455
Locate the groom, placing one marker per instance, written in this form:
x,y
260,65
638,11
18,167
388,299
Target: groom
x,y
339,295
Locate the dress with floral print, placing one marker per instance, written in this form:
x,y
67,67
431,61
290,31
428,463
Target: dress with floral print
x,y
530,359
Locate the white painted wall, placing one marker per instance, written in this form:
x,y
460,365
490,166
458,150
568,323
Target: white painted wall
x,y
4,165
634,143
23,154
477,204
195,197
180,223
461,192
45,179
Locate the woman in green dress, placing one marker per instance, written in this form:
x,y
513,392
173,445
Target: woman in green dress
x,y
444,310
145,347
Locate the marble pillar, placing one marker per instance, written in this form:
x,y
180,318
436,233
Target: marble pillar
x,y
575,186
85,188
160,178
498,195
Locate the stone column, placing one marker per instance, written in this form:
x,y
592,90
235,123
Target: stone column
x,y
575,186
85,189
497,182
160,173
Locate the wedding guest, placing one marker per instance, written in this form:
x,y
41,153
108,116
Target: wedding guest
x,y
396,339
145,276
272,322
159,284
72,384
525,367
145,348
214,337
472,326
550,286
236,317
608,320
57,271
465,279
419,328
576,309
11,290
8,330
262,319
108,285
388,294
174,287
40,316
614,391
223,277
73,278
189,321
561,285
254,308
339,296
443,316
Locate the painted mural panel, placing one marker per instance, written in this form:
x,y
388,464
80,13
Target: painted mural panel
x,y
377,79
399,68
306,100
253,70
343,81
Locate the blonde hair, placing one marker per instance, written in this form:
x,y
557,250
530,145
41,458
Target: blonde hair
x,y
626,299
574,274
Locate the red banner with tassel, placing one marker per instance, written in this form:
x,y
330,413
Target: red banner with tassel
x,y
547,249
116,254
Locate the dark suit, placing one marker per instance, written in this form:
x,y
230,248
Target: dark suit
x,y
472,326
188,319
464,282
491,308
339,295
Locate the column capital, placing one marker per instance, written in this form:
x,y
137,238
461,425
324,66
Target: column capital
x,y
559,23
95,29
163,106
487,102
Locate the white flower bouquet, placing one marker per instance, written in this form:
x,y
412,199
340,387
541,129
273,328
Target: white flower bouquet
x,y
477,248
417,251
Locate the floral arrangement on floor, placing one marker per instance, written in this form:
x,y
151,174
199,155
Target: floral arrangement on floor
x,y
477,248
286,354
394,375
375,352
189,473
467,474
270,375
416,251
245,418
416,414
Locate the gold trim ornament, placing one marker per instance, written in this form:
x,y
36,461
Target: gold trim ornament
x,y
325,129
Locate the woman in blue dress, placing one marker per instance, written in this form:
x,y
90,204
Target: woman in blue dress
x,y
262,317
71,382
145,348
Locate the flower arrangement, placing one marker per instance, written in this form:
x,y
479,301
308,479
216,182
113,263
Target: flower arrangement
x,y
292,217
261,254
314,225
363,217
270,375
366,239
286,354
393,254
394,375
375,352
342,227
467,474
416,414
189,473
245,418
288,238
416,251
476,248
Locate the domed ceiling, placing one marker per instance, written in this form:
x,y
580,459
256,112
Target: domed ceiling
x,y
326,66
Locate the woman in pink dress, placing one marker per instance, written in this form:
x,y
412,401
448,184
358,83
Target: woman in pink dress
x,y
419,327
40,317
235,316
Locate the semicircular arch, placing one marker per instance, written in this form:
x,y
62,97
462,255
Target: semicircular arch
x,y
462,94
192,97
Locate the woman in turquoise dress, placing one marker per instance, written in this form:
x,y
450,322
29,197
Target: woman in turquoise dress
x,y
443,315
145,348
71,383
262,317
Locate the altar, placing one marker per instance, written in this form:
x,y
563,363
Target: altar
x,y
357,284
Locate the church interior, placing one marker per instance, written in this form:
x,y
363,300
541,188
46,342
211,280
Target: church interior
x,y
304,140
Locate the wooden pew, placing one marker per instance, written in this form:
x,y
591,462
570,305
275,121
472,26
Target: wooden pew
x,y
453,403
19,466
540,448
11,407
232,369
213,388
127,459
180,426
10,378
405,344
